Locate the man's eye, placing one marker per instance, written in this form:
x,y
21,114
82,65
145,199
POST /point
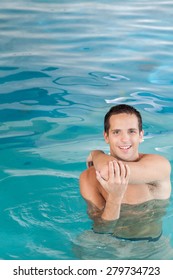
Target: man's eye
x,y
116,132
132,131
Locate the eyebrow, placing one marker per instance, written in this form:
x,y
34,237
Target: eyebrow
x,y
118,129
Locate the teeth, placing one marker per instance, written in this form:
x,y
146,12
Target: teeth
x,y
125,147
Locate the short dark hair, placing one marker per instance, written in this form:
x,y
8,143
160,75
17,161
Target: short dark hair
x,y
120,109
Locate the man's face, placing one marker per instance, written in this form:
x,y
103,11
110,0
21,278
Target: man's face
x,y
124,137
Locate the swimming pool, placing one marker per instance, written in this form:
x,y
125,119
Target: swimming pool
x,y
62,66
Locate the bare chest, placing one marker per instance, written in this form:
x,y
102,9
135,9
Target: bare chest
x,y
134,194
138,194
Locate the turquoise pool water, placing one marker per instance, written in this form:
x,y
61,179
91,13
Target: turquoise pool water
x,y
62,65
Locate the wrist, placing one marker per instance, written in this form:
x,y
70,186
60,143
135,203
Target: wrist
x,y
111,211
113,200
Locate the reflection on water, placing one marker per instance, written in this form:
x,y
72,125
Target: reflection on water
x,y
150,101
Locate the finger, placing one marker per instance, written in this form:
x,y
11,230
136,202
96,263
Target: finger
x,y
122,169
127,172
99,178
116,168
111,171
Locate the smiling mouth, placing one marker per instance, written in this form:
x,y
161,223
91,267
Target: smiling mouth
x,y
125,148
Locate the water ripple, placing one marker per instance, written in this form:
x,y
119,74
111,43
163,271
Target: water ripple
x,y
77,80
114,77
163,75
34,172
24,75
60,62
156,103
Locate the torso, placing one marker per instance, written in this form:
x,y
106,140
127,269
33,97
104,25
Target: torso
x,y
141,212
132,222
134,194
142,220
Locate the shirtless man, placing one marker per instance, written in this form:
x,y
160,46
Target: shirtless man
x,y
118,183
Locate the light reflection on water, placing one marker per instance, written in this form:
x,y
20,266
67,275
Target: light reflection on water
x,y
62,66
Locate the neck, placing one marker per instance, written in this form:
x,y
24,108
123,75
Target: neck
x,y
136,158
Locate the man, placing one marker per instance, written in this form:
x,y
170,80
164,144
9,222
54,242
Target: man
x,y
126,191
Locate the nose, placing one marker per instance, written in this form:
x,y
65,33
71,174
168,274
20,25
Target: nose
x,y
124,137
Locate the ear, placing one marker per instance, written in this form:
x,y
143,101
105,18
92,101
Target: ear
x,y
141,134
106,137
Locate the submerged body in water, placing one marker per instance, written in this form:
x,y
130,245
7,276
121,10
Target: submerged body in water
x,y
137,235
141,221
138,221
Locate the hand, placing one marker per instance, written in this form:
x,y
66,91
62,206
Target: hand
x,y
117,182
104,171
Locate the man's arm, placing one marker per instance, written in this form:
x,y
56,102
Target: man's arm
x,y
150,168
106,212
115,187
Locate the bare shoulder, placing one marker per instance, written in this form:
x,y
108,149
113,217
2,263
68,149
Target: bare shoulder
x,y
158,161
87,182
161,167
87,176
153,157
89,188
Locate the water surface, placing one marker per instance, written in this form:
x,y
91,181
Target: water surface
x,y
62,65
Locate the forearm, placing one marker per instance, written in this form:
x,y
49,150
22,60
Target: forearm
x,y
150,168
104,226
111,211
99,158
106,222
115,188
100,161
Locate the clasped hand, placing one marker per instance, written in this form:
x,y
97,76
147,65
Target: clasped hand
x,y
118,177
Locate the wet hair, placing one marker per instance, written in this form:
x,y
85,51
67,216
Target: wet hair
x,y
120,109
